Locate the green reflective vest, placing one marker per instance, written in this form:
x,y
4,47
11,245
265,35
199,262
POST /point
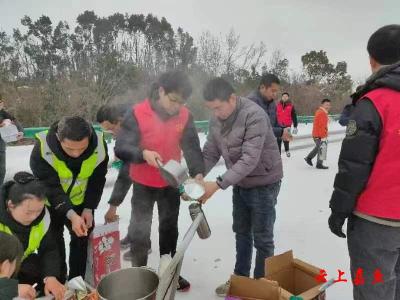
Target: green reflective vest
x,y
77,191
36,235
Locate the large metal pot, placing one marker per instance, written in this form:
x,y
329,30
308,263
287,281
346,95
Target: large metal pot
x,y
137,283
173,173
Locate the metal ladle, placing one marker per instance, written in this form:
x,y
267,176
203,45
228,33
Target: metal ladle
x,y
173,173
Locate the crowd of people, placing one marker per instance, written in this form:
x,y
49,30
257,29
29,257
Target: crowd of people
x,y
69,163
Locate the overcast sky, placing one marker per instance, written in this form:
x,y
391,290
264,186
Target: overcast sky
x,y
339,27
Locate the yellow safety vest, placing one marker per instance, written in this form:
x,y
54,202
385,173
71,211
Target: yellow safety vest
x,y
77,192
35,236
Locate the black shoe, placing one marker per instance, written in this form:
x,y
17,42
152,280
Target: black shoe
x,y
183,285
128,256
308,161
322,167
287,154
125,243
136,259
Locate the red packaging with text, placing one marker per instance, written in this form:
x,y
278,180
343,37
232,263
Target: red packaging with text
x,y
103,252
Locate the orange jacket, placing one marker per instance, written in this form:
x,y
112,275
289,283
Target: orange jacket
x,y
320,126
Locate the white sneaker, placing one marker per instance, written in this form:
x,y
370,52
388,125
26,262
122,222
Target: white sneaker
x,y
223,289
164,262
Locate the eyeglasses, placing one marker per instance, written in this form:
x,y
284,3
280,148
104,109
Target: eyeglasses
x,y
176,98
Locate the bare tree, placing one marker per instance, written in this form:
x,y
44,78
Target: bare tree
x,y
278,65
253,56
232,53
210,53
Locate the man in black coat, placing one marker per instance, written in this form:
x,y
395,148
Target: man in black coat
x,y
367,187
71,160
264,96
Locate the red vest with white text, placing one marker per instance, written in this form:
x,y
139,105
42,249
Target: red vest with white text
x,y
381,196
162,136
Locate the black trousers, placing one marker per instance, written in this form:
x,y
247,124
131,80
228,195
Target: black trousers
x,y
77,246
168,202
285,143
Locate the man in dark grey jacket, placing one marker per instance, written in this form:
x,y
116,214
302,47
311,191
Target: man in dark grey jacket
x,y
264,96
110,118
241,133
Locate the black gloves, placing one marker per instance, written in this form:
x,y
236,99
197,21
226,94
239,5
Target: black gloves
x,y
336,221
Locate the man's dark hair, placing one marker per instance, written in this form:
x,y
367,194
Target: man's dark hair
x,y
10,248
172,82
384,45
73,128
325,100
218,88
112,113
268,79
286,93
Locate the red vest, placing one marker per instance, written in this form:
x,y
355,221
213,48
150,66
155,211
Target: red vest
x,y
284,114
157,135
381,196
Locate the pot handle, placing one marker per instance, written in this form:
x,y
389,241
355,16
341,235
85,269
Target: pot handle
x,y
160,165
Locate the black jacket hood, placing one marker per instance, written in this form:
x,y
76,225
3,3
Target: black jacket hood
x,y
387,76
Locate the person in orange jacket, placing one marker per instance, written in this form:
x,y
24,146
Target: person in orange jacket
x,y
319,133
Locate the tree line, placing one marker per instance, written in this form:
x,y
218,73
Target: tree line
x,y
48,70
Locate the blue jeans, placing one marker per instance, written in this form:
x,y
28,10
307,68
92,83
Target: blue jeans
x,y
253,221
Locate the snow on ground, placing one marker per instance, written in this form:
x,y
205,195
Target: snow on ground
x,y
301,224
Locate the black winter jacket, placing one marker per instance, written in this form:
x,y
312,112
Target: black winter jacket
x,y
121,186
361,144
48,253
270,108
346,113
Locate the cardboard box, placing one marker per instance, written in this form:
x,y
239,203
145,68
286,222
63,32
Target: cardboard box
x,y
250,289
294,276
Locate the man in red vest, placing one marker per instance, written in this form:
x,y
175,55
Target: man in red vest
x,y
367,186
286,115
158,128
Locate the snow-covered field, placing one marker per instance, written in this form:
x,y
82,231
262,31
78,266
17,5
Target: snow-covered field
x,y
301,223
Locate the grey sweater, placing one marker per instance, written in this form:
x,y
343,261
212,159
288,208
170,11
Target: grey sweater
x,y
248,147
